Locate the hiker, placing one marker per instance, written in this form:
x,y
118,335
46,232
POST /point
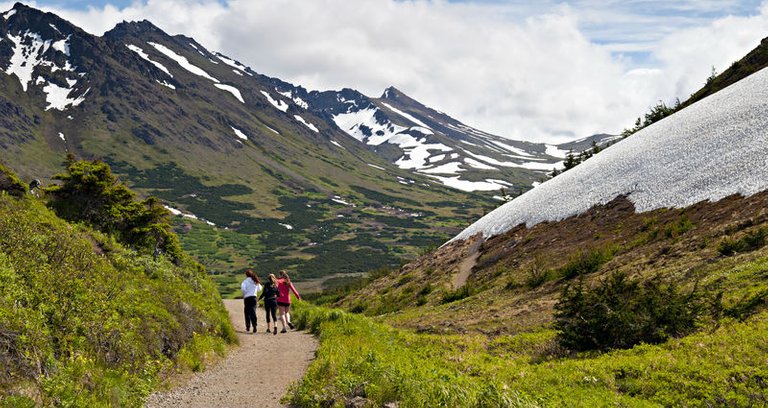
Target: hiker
x,y
270,294
250,288
285,287
34,185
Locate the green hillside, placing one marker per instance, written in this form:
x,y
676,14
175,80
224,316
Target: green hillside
x,y
88,321
695,289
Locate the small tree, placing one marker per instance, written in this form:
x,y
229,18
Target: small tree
x,y
91,194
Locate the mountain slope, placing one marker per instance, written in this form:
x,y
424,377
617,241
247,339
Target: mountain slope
x,y
277,176
661,166
216,141
669,201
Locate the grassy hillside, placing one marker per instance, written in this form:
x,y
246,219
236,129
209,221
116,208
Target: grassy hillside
x,y
492,339
86,321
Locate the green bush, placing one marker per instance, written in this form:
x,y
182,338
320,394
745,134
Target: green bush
x,y
10,183
91,194
458,294
751,241
585,261
620,313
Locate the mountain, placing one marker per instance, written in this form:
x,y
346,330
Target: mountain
x,y
668,201
259,171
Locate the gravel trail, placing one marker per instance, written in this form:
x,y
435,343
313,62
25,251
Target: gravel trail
x,y
256,374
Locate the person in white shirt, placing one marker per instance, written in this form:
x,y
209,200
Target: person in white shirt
x,y
250,288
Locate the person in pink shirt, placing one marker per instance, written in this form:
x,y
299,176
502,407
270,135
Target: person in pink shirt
x,y
285,287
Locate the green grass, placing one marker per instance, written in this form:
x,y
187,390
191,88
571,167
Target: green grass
x,y
360,357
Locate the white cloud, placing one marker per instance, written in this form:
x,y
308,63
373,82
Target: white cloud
x,y
540,71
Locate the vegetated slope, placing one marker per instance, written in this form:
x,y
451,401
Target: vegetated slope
x,y
756,60
266,166
681,205
85,321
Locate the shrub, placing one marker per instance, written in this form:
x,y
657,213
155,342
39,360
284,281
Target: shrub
x,y
751,241
536,274
10,183
586,261
458,294
91,194
620,313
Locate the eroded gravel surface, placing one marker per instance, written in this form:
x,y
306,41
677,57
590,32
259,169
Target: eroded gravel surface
x,y
257,374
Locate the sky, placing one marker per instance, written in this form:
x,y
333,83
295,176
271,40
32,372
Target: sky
x,y
549,71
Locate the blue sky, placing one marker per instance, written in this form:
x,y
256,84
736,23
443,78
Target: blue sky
x,y
535,70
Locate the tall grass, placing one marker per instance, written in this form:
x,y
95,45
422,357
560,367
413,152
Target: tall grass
x,y
358,357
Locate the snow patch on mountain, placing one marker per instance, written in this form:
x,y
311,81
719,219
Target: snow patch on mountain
x,y
27,54
231,89
9,13
448,168
478,165
307,124
279,104
58,97
405,115
466,185
232,63
298,101
165,84
712,149
554,151
182,61
62,45
145,56
239,133
335,143
513,149
362,124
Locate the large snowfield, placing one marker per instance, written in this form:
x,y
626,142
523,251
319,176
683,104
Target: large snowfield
x,y
710,150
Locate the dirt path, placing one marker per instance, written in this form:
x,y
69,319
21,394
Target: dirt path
x,y
257,374
465,267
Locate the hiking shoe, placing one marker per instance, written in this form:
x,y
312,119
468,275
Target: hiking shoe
x,y
274,330
254,330
283,331
268,330
291,325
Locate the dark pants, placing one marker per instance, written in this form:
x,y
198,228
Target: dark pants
x,y
270,305
250,312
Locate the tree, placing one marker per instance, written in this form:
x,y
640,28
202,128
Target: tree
x,y
91,194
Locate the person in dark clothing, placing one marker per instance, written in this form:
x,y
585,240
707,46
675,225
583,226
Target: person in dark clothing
x,y
270,294
34,185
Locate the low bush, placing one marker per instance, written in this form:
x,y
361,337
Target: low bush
x,y
585,261
458,294
620,313
751,241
